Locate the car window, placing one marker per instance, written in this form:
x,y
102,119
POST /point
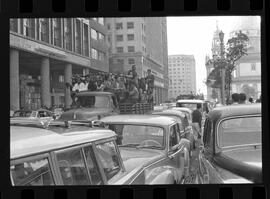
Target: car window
x,y
207,132
141,135
72,167
108,156
32,173
174,136
239,131
92,166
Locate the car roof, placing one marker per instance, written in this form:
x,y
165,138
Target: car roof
x,y
25,140
170,112
156,120
234,110
87,93
190,101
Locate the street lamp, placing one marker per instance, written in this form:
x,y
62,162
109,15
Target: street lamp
x,y
221,37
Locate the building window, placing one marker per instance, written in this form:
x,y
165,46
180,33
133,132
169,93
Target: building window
x,y
28,27
56,23
120,61
119,37
101,37
131,61
108,26
94,34
253,67
13,24
94,53
101,20
101,56
78,38
130,25
130,37
131,49
119,26
119,49
67,34
85,40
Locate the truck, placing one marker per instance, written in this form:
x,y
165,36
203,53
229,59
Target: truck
x,y
93,105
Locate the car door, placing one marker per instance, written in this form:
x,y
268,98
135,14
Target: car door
x,y
176,152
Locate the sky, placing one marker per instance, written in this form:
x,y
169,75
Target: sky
x,y
193,36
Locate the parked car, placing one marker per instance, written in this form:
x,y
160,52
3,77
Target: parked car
x,y
41,115
151,148
184,124
231,151
57,155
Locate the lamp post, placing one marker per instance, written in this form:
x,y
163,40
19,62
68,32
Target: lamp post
x,y
223,71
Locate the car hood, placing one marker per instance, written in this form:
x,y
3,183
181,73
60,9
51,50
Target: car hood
x,y
133,157
84,113
251,157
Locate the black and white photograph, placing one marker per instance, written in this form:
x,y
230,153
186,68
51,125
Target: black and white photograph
x,y
135,100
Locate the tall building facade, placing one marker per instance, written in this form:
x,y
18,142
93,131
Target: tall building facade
x,y
45,52
140,41
182,74
246,77
213,93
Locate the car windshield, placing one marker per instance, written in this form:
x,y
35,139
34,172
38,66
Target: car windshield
x,y
139,135
93,101
24,114
240,131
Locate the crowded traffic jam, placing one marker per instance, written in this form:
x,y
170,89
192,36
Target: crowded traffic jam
x,y
104,142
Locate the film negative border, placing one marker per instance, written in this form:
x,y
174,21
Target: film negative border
x,y
117,8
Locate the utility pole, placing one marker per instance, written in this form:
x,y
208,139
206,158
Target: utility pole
x,y
223,70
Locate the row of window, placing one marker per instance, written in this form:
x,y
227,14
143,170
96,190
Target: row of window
x,y
100,20
71,34
119,26
129,49
130,37
122,61
98,55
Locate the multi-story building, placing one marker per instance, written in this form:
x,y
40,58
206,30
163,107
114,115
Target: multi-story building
x,y
182,74
142,42
45,52
247,74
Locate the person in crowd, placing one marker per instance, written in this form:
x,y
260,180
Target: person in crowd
x,y
92,85
108,83
235,98
251,100
133,76
100,85
150,78
197,119
242,98
133,93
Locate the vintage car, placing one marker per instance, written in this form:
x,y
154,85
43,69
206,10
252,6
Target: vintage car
x,y
192,104
186,129
61,155
231,151
187,112
151,148
42,115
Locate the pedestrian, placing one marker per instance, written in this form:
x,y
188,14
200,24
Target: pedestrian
x,y
242,98
251,100
235,98
133,76
197,119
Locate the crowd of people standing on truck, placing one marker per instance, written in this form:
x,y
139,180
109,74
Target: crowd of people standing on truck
x,y
128,88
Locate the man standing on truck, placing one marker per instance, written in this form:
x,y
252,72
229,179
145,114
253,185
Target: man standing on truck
x,y
150,85
132,74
